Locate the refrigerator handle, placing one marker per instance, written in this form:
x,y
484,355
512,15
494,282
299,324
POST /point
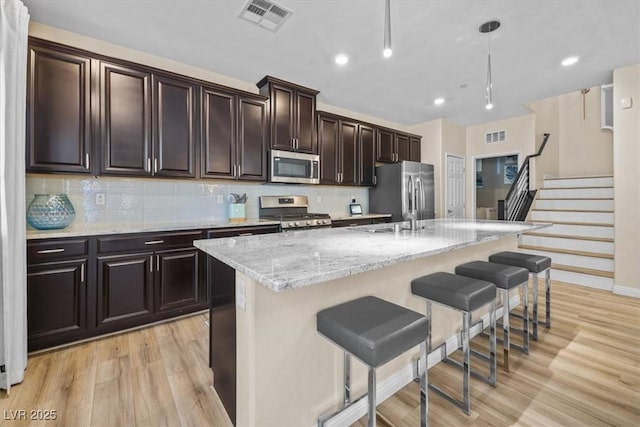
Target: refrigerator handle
x,y
410,194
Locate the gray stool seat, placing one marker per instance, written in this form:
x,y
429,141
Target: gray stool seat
x,y
503,276
533,263
373,330
463,293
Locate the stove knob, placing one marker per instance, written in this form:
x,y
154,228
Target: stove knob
x,y
310,223
299,223
291,224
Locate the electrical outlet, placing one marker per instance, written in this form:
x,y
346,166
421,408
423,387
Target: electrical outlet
x,y
101,198
318,199
220,199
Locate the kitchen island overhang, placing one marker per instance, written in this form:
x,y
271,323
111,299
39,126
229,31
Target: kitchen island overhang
x,y
287,374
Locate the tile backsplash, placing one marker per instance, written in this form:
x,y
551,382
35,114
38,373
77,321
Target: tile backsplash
x,y
160,200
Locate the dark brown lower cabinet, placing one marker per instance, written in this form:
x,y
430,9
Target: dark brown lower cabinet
x,y
176,279
352,222
56,302
125,290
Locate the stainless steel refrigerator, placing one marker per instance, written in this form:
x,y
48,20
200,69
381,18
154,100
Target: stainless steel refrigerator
x,y
398,185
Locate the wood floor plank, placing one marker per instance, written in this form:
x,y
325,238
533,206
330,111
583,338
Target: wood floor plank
x,y
584,371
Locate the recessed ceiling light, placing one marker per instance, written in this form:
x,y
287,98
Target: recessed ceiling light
x,y
341,59
488,106
438,101
569,61
387,53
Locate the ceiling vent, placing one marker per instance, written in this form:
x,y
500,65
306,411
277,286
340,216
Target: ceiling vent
x,y
497,136
265,13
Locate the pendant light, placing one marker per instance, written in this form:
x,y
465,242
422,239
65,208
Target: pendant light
x,y
489,27
387,52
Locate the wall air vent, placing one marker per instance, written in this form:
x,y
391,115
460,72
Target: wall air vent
x,y
497,136
265,13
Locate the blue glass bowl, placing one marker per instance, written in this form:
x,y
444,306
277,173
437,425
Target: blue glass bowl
x,y
50,212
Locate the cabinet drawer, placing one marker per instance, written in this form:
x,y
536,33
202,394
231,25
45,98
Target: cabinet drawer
x,y
242,231
146,241
45,250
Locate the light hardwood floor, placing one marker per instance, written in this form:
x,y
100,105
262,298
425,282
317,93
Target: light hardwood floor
x,y
585,371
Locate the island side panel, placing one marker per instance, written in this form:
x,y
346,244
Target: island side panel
x,y
288,374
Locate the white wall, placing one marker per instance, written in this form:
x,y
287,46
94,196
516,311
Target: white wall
x,y
520,140
626,165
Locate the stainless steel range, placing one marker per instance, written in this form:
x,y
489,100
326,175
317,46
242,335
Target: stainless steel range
x,y
292,213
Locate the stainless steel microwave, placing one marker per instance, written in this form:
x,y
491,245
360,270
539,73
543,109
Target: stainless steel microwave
x,y
298,168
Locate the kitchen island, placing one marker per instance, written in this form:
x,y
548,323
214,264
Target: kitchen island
x,y
287,374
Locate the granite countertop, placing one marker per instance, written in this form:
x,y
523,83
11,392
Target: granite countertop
x,y
141,227
296,259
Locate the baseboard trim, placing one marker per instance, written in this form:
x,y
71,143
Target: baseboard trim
x,y
626,291
404,376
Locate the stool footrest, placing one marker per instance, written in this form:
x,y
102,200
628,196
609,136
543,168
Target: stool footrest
x,y
450,398
476,374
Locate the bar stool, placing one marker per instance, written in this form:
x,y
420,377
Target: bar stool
x,y
536,264
506,278
465,295
374,331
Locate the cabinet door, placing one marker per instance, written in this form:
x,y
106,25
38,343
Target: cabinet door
x,y
367,142
252,138
386,146
125,120
125,290
56,302
218,134
282,117
349,153
174,118
306,123
58,108
328,137
403,148
414,149
176,279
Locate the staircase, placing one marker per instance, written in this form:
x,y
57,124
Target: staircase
x,y
580,241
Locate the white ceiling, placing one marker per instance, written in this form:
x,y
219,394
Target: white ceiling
x,y
436,47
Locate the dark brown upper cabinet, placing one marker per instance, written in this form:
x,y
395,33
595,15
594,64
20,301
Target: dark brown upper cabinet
x,y
402,147
367,149
415,148
58,111
292,115
386,146
174,127
125,120
234,135
339,153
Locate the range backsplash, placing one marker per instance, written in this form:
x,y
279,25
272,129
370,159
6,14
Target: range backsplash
x,y
160,200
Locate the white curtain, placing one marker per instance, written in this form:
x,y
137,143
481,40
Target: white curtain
x,y
14,23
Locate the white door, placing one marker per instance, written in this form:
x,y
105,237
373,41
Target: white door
x,y
455,187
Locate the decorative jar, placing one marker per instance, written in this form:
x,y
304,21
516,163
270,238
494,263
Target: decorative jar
x,y
50,211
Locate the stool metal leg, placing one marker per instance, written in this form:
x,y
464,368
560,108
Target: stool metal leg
x,y
347,378
492,344
525,317
372,397
535,306
506,343
428,316
547,286
466,320
424,380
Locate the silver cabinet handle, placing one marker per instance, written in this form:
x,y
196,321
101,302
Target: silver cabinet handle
x,y
375,180
155,164
153,242
157,262
51,251
82,273
86,160
233,170
148,169
239,171
245,234
151,264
